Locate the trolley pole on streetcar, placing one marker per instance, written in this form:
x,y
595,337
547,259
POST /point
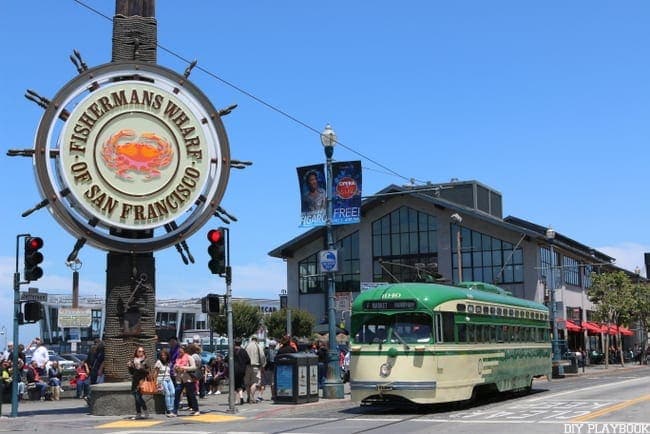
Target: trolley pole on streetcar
x,y
555,343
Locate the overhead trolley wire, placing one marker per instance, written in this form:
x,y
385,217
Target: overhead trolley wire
x,y
261,101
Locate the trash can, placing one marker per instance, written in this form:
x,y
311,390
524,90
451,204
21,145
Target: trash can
x,y
572,368
296,378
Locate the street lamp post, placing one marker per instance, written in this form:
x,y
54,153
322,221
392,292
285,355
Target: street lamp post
x,y
555,345
332,387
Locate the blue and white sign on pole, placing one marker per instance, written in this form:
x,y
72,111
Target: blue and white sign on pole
x,y
328,260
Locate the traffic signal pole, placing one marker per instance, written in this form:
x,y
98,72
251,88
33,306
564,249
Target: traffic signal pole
x,y
231,344
14,356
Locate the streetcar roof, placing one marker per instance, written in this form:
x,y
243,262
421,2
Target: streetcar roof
x,y
430,295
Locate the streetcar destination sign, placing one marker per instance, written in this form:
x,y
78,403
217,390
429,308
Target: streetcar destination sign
x,y
390,304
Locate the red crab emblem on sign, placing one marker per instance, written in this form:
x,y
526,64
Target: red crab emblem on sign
x,y
146,153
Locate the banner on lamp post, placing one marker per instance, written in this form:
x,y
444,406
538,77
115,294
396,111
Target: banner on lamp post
x,y
313,196
346,194
346,199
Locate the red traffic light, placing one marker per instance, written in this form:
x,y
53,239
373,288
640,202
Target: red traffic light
x,y
217,251
34,243
33,258
215,235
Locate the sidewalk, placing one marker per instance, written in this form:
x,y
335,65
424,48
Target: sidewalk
x,y
212,405
593,369
72,413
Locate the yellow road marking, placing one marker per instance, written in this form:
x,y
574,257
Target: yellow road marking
x,y
130,424
610,409
212,418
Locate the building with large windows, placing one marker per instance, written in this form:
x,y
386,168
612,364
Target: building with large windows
x,y
174,317
418,233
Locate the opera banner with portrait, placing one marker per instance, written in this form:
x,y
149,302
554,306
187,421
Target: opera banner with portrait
x,y
346,194
346,200
313,198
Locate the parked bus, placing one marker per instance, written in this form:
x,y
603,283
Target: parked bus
x,y
431,343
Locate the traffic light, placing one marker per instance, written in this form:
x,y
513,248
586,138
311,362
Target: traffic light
x,y
33,311
210,304
217,250
32,258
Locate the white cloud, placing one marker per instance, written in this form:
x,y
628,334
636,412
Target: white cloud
x,y
628,255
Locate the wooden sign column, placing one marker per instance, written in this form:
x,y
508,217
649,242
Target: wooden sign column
x,y
130,278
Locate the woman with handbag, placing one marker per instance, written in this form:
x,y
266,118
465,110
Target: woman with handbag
x,y
165,383
184,368
139,368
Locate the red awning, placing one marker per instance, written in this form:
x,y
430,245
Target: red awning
x,y
592,327
625,331
571,326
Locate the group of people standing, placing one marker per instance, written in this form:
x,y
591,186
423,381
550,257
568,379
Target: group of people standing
x,y
177,370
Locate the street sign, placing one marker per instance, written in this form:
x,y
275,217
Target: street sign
x,y
33,296
75,317
328,260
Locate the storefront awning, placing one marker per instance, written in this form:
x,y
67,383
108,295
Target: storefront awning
x,y
571,326
625,331
592,327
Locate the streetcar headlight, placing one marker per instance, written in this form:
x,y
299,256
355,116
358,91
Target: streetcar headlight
x,y
384,370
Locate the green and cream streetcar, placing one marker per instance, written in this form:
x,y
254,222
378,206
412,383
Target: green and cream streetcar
x,y
431,343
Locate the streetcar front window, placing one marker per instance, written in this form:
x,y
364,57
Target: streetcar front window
x,y
373,330
399,328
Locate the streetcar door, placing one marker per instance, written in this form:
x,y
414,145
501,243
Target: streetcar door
x,y
444,325
438,328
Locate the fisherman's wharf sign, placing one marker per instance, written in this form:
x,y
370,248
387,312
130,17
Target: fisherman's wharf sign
x,y
132,147
135,156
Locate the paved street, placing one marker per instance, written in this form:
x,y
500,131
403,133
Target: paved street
x,y
575,399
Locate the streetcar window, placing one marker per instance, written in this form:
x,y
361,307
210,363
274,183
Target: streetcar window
x,y
493,310
462,333
373,330
499,334
470,308
471,333
506,333
478,309
511,312
460,307
448,327
493,333
499,311
410,328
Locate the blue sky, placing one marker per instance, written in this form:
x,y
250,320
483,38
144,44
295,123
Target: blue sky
x,y
546,102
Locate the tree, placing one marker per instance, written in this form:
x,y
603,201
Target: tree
x,y
614,300
302,323
246,320
641,310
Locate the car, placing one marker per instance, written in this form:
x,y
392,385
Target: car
x,y
75,357
66,366
206,356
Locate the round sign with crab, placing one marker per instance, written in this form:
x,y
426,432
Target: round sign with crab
x,y
132,147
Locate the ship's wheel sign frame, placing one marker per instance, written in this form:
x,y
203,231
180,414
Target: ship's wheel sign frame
x,y
131,147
